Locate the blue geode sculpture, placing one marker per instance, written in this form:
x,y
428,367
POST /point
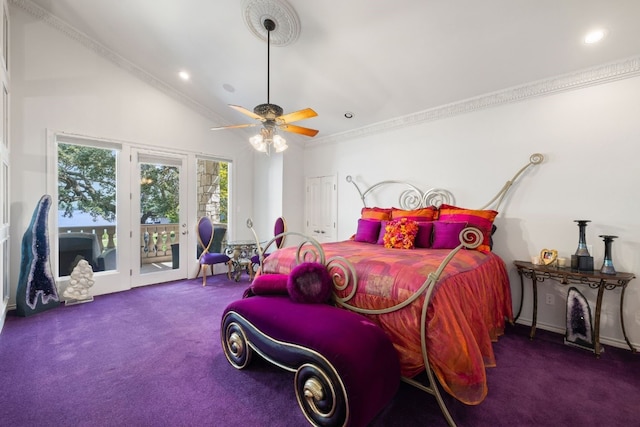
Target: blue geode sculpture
x,y
36,287
579,322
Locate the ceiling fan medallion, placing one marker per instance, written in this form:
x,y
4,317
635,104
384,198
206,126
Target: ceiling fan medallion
x,y
287,27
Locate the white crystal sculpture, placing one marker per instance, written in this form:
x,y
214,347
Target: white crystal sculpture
x,y
80,282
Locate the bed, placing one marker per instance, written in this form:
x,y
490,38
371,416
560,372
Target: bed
x,y
442,304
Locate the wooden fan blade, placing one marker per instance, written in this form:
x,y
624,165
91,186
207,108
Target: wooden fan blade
x,y
247,112
298,129
247,125
307,113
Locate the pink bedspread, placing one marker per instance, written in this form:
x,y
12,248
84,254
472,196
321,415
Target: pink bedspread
x,y
467,311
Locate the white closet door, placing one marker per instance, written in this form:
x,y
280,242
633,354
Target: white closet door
x,y
322,208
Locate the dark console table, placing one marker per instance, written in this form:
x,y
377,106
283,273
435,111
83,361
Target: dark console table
x,y
567,276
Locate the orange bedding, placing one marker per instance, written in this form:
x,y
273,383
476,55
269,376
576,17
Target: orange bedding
x,y
467,311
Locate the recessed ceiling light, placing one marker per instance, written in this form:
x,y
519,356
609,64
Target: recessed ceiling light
x,y
594,36
184,75
348,115
228,87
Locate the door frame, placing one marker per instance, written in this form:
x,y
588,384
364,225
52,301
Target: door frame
x,y
122,279
105,282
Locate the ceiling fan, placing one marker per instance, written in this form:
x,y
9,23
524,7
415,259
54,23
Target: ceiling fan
x,y
271,115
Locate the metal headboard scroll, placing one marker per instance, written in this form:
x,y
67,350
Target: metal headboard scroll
x,y
410,198
534,159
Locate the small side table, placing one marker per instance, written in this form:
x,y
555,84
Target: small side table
x,y
566,276
240,252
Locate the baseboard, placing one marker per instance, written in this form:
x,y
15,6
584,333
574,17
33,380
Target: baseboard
x,y
614,342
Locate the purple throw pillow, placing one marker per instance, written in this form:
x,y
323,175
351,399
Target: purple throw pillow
x,y
446,234
368,231
383,226
423,238
310,282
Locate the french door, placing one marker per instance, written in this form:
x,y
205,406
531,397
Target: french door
x,y
121,208
159,223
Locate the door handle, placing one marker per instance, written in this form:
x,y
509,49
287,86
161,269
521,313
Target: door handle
x,y
184,232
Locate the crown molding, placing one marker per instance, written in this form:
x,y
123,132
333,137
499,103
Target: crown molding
x,y
594,76
60,25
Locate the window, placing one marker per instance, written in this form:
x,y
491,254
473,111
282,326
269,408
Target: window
x,y
86,207
213,190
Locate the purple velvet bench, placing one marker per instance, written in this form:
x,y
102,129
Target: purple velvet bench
x,y
346,369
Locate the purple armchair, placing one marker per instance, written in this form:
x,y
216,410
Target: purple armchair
x,y
210,239
279,228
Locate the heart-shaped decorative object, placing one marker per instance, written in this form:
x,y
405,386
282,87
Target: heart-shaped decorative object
x,y
548,256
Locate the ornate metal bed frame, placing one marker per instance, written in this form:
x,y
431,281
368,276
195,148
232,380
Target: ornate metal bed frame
x,y
344,274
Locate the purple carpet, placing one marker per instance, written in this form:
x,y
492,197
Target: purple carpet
x,y
152,357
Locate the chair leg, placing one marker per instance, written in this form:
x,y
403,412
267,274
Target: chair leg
x,y
251,271
229,263
204,274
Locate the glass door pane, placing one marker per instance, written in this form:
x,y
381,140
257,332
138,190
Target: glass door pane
x,y
86,207
159,217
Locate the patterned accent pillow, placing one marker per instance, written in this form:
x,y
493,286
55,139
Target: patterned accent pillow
x,y
400,234
420,215
381,214
481,219
423,238
446,234
368,231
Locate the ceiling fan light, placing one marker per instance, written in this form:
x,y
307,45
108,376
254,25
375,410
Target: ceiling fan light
x,y
279,143
258,143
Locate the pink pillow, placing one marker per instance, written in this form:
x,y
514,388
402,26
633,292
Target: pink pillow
x,y
376,213
423,238
446,234
422,214
270,284
368,231
481,219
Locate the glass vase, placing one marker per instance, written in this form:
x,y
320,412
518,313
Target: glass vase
x,y
582,242
607,264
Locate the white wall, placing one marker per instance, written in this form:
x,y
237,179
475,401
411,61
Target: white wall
x,y
59,84
590,141
274,177
267,193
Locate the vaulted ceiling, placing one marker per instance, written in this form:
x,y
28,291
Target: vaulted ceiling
x,y
379,60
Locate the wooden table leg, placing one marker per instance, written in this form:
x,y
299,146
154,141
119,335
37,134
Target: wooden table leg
x,y
596,327
624,332
515,319
534,319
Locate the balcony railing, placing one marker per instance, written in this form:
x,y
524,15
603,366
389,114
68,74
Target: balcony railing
x,y
155,239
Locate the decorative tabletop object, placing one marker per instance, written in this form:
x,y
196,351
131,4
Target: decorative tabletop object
x,y
548,256
582,260
607,264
